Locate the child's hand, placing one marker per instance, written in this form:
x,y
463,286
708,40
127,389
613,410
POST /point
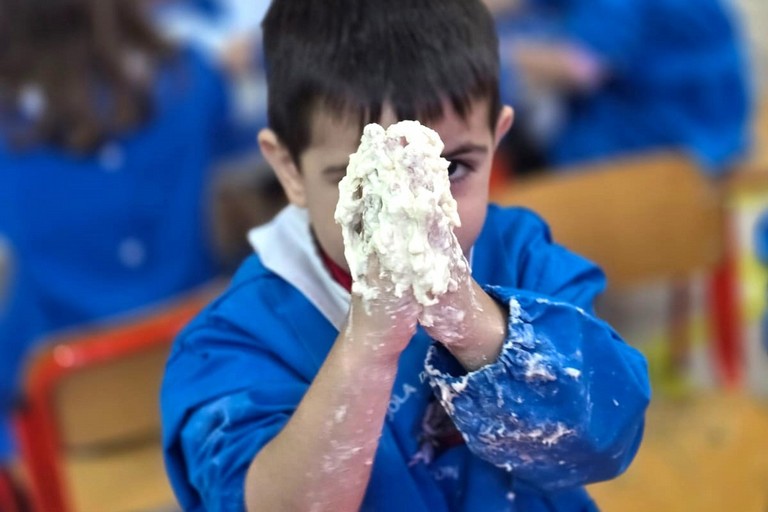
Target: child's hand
x,y
465,319
237,56
562,66
469,323
445,320
448,320
381,318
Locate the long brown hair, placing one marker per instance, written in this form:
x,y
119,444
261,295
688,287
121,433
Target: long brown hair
x,y
84,66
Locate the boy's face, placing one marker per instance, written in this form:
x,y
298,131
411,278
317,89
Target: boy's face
x,y
469,146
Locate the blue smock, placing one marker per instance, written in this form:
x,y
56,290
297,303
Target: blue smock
x,y
96,235
563,405
678,78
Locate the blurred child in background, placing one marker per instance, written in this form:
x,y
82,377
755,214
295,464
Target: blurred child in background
x,y
107,136
228,33
598,78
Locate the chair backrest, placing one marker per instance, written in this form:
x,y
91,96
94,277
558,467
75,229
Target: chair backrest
x,y
641,218
88,423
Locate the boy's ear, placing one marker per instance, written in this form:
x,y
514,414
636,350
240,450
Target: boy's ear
x,y
504,123
286,169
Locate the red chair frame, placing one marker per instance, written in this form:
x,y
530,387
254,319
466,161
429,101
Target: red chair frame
x,y
8,497
35,420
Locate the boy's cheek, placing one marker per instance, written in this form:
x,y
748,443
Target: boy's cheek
x,y
472,220
466,238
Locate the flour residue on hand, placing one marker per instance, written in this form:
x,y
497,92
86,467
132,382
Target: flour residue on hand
x,y
397,215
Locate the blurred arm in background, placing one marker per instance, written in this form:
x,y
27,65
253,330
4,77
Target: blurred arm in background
x,y
599,78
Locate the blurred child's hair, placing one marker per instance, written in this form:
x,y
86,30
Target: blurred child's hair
x,y
354,56
74,73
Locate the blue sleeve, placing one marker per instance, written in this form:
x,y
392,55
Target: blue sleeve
x,y
564,404
237,397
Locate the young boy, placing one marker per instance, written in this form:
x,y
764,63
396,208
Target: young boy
x,y
288,393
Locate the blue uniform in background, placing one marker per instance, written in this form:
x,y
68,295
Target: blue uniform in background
x,y
93,236
563,405
678,78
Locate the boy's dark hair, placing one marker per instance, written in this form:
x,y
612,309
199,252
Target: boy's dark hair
x,y
352,56
74,57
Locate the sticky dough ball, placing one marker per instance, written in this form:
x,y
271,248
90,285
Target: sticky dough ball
x,y
397,215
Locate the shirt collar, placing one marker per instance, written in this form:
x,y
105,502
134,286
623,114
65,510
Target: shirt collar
x,y
286,247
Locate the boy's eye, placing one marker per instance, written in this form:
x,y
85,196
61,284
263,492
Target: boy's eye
x,y
457,170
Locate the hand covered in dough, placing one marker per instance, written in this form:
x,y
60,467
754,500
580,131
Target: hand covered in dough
x,y
397,217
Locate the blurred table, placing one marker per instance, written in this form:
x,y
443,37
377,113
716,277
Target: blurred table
x,y
705,453
130,482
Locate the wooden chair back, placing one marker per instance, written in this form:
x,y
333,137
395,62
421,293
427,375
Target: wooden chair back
x,y
640,218
89,422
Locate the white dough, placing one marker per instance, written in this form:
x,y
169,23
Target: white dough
x,y
396,212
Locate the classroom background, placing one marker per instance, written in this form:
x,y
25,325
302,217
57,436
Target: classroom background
x,y
641,137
